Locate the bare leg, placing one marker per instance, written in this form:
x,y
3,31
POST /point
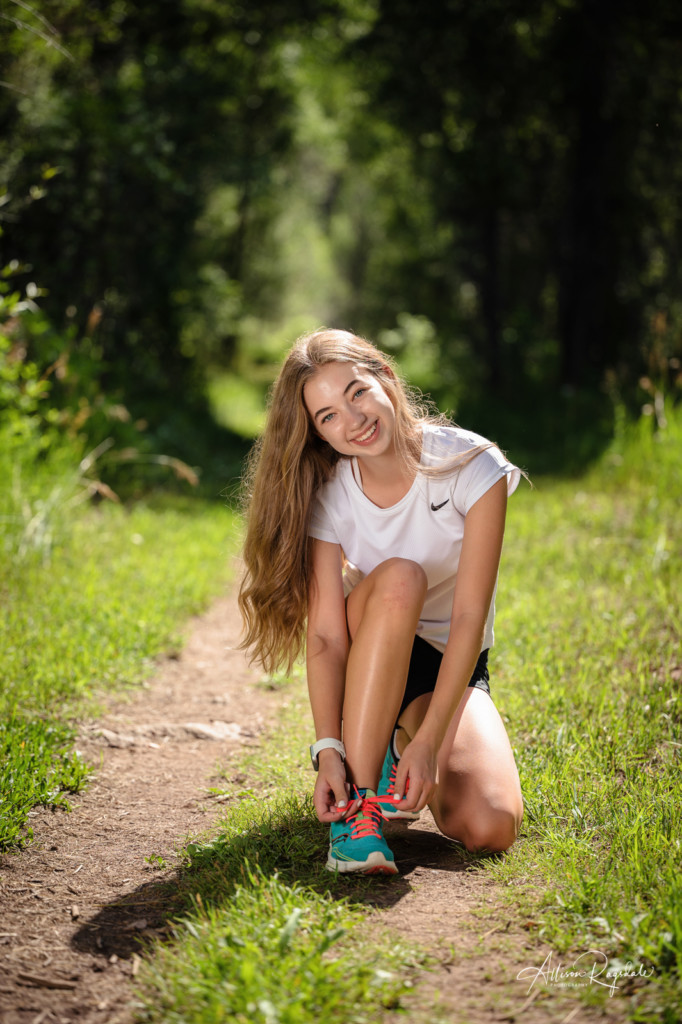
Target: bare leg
x,y
478,797
382,611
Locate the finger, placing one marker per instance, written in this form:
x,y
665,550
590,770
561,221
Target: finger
x,y
425,794
350,808
417,793
321,805
326,807
323,798
328,816
401,783
408,788
341,796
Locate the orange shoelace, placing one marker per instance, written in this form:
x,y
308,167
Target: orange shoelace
x,y
391,782
367,819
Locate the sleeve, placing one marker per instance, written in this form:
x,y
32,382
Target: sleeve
x,y
479,475
321,524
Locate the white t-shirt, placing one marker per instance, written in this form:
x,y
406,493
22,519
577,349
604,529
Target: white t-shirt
x,y
426,525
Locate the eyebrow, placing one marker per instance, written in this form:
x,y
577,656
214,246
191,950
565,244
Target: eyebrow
x,y
348,386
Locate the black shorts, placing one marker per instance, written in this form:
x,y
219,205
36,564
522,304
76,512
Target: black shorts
x,y
423,671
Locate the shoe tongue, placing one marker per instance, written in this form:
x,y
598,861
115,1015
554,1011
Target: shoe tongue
x,y
366,792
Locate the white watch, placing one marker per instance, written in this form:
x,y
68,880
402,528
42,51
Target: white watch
x,y
315,749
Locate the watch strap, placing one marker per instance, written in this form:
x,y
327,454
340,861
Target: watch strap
x,y
323,744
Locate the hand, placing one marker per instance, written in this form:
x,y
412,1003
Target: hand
x,y
331,788
416,776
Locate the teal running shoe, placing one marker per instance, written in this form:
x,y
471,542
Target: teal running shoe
x,y
389,808
356,842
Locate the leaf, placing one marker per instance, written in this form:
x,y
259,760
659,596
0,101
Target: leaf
x,y
289,928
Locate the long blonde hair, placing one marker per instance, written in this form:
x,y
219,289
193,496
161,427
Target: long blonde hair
x,y
284,470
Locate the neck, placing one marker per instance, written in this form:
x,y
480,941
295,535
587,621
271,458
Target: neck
x,y
385,479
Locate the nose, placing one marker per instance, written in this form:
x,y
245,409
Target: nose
x,y
354,415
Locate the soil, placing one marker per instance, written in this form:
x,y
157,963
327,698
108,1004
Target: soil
x,y
79,906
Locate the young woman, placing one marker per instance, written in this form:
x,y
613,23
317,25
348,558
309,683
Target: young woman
x,y
374,533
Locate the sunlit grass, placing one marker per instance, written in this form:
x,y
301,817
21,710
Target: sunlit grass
x,y
113,594
273,952
588,663
585,671
271,935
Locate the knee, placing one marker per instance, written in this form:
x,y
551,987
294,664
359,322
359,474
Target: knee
x,y
490,831
401,577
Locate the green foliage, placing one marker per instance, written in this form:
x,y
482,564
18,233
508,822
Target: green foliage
x,y
465,185
118,585
37,767
589,660
271,934
129,122
67,438
516,118
237,403
273,952
26,417
268,933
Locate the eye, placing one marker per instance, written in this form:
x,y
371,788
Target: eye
x,y
360,391
325,419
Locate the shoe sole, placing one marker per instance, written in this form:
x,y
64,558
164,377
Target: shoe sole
x,y
376,864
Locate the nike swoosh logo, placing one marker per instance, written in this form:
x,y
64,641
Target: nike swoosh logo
x,y
434,508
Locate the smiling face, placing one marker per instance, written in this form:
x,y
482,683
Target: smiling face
x,y
350,410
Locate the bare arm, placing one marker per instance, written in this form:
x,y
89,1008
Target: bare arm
x,y
476,576
327,654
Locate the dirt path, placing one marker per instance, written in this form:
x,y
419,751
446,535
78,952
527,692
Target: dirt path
x,y
75,903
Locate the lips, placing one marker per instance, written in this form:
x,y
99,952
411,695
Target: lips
x,y
368,435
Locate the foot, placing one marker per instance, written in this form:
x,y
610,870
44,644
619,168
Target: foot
x,y
389,808
356,842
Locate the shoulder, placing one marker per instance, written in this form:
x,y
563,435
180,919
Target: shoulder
x,y
442,442
330,504
471,461
337,483
337,494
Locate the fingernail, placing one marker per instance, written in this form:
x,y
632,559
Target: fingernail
x,y
341,803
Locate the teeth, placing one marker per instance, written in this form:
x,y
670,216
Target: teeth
x,y
366,437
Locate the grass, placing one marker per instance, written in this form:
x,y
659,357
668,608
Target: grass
x,y
87,617
588,664
37,766
274,952
586,672
268,935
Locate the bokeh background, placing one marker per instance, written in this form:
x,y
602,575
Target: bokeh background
x,y
492,191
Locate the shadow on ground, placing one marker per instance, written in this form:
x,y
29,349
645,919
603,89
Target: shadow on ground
x,y
147,913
